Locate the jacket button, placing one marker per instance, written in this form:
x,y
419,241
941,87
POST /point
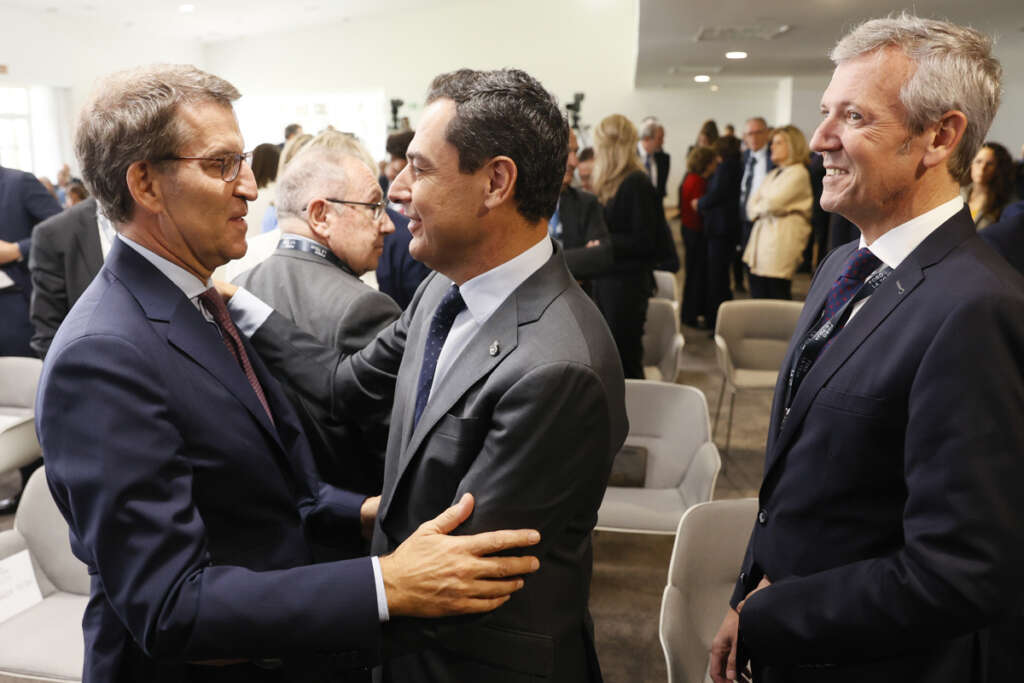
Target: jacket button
x,y
762,517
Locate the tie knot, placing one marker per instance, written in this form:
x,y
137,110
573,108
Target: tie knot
x,y
451,305
860,264
214,303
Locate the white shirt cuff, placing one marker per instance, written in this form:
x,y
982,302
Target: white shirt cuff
x,y
248,312
382,598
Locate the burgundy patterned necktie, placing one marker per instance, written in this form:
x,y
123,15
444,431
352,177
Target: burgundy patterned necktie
x,y
229,334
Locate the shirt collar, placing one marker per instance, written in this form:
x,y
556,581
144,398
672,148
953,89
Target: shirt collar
x,y
484,293
182,279
896,244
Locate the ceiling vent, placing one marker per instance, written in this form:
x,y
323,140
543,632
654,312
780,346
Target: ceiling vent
x,y
720,34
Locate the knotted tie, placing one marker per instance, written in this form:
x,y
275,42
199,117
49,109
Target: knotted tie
x,y
451,305
856,269
748,183
229,334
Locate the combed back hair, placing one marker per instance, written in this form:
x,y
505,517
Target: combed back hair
x,y
316,172
132,116
757,119
615,155
799,152
290,130
586,154
347,144
699,159
398,144
290,149
727,147
508,113
649,128
265,159
955,70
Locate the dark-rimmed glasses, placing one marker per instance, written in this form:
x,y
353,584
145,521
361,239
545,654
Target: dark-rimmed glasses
x,y
378,207
230,164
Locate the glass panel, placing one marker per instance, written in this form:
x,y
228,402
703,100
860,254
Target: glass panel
x,y
15,144
14,101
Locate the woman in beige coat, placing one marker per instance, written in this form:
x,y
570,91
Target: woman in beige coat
x,y
781,211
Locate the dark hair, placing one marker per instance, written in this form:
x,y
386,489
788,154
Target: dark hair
x,y
398,143
698,160
727,147
291,129
586,154
1000,190
264,163
78,189
709,129
508,113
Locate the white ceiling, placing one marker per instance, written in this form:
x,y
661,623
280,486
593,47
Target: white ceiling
x,y
670,53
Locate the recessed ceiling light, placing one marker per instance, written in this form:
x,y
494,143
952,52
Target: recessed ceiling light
x,y
738,54
714,88
702,78
186,9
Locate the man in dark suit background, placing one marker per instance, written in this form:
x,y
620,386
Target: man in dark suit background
x,y
331,212
503,377
182,470
757,162
67,251
719,207
1007,238
890,534
24,202
653,157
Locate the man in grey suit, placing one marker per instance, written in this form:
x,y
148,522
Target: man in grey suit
x,y
67,252
503,376
331,213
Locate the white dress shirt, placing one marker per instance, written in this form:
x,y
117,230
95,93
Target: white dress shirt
x,y
760,170
106,231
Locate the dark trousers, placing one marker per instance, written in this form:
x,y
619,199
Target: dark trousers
x,y
622,299
695,285
770,287
720,252
15,326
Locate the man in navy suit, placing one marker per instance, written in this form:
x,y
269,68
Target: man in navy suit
x,y
24,202
890,534
182,470
1007,238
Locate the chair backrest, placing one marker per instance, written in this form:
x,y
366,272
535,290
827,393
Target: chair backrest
x,y
706,559
19,378
662,341
757,331
665,285
46,533
671,422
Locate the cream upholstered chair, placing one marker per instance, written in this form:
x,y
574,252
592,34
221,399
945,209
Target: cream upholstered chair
x,y
669,422
45,642
705,562
19,378
665,286
663,342
751,337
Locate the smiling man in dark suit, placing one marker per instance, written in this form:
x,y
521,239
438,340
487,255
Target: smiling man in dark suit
x,y
183,472
890,534
501,378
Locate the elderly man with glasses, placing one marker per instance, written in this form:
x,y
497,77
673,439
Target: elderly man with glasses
x,y
331,212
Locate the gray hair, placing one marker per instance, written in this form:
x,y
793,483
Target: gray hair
x,y
955,69
314,172
347,144
131,117
649,128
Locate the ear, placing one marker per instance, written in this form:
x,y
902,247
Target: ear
x,y
317,213
145,186
944,138
501,174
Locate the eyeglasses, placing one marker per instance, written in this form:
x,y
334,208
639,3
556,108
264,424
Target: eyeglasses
x,y
378,207
230,164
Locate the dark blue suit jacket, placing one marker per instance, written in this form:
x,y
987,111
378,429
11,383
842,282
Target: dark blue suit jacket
x,y
891,523
1007,237
193,511
719,206
398,273
23,203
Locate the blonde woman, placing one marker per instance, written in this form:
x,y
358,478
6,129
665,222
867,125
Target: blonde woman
x,y
634,214
781,212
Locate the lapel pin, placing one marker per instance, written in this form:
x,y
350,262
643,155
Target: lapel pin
x,y
899,287
494,348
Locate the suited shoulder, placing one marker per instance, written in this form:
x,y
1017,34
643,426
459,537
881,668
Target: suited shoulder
x,y
61,224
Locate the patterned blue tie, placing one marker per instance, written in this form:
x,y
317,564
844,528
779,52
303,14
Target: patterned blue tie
x,y
856,269
451,305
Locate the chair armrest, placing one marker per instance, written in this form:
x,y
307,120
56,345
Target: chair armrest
x,y
724,359
11,542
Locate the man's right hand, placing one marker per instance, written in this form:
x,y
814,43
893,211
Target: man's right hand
x,y
724,668
432,574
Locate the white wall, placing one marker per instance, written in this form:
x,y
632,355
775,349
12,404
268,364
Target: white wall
x,y
545,38
66,52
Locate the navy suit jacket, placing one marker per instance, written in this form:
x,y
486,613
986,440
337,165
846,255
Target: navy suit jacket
x,y
891,521
398,273
719,206
1007,238
192,510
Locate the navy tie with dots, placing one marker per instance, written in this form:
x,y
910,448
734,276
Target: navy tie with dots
x,y
857,268
451,305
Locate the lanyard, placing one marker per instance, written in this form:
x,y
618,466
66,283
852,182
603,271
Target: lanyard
x,y
319,250
823,330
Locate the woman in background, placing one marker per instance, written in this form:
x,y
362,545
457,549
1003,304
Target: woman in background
x,y
265,159
699,166
781,212
720,212
991,186
634,214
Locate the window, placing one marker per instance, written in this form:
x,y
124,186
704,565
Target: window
x,y
15,129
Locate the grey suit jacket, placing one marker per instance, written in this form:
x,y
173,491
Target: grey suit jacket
x,y
527,420
345,314
64,258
